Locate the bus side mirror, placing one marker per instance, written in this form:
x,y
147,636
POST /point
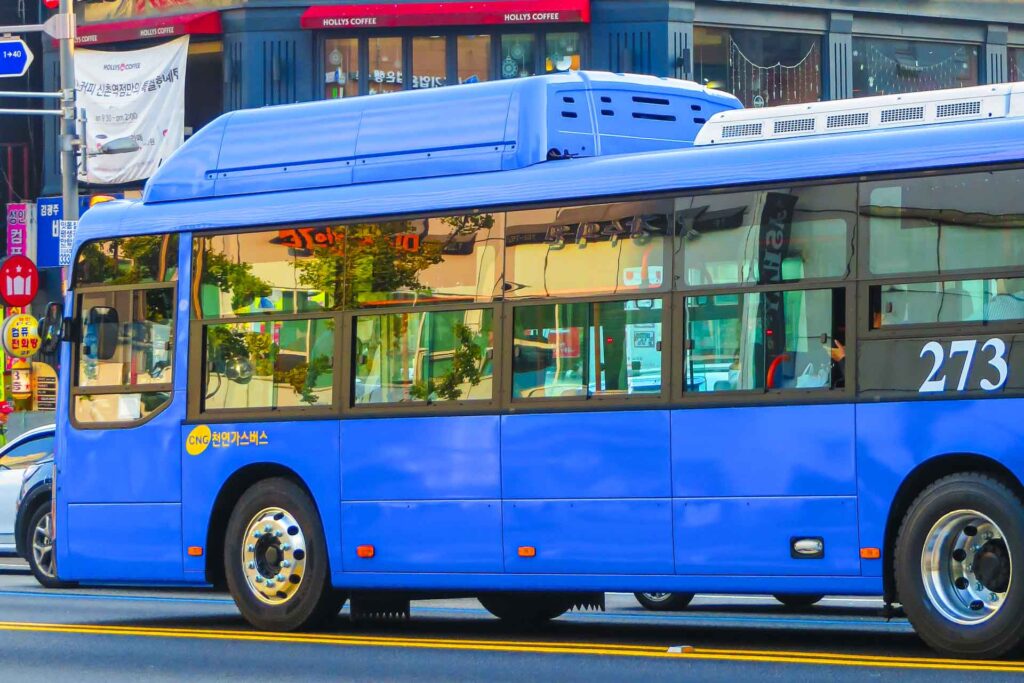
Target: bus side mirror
x,y
103,321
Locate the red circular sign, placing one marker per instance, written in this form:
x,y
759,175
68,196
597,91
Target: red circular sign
x,y
51,4
19,280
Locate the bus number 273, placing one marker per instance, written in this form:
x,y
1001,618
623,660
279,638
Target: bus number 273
x,y
936,380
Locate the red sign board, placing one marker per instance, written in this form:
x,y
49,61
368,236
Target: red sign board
x,y
203,23
488,12
19,280
566,342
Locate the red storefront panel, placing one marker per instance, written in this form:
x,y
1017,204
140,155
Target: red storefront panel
x,y
446,14
202,23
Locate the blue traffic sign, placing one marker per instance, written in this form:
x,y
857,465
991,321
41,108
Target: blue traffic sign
x,y
15,57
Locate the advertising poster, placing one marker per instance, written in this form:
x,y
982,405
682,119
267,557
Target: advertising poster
x,y
21,221
138,94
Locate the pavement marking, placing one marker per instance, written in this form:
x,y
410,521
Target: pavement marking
x,y
677,653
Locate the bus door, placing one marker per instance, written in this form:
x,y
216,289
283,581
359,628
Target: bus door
x,y
119,472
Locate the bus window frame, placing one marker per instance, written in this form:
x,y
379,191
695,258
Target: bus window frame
x,y
76,351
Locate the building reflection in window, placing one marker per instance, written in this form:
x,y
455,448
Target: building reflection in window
x,y
562,52
474,58
761,68
341,72
428,62
384,71
884,67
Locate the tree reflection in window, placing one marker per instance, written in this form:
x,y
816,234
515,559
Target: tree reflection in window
x,y
128,260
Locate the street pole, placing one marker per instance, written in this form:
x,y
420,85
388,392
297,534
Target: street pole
x,y
68,157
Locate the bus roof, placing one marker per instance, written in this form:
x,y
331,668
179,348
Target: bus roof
x,y
578,180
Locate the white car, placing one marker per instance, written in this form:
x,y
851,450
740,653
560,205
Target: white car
x,y
16,459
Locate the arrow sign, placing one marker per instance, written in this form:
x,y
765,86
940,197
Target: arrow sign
x,y
15,57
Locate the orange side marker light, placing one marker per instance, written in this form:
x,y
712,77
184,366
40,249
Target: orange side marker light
x,y
527,551
365,551
870,553
195,551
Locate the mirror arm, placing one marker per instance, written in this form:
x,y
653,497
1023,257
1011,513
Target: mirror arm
x,y
67,330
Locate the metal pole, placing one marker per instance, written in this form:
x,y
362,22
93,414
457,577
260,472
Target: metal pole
x,y
69,164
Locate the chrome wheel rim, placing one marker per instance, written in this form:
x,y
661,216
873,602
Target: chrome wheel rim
x,y
657,597
42,546
966,567
273,555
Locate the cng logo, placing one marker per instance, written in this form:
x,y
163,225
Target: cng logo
x,y
198,440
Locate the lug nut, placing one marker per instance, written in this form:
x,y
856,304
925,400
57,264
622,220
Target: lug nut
x,y
270,583
286,546
993,597
286,563
256,534
259,579
250,547
266,527
252,565
277,534
280,577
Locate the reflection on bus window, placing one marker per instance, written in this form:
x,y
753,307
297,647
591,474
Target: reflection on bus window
x,y
573,251
432,356
938,224
768,340
952,301
112,408
128,261
126,337
269,364
583,349
763,237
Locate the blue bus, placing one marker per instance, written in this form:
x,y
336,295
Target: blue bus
x,y
532,341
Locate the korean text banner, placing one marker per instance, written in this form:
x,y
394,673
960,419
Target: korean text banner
x,y
138,94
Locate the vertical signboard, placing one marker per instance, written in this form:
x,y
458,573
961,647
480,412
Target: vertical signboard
x,y
21,222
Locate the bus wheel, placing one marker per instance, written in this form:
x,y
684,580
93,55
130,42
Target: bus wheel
x,y
525,609
959,566
275,558
664,602
797,600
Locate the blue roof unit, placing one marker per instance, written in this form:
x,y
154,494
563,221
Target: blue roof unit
x,y
496,126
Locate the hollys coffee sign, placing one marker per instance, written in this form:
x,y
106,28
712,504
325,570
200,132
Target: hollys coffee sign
x,y
446,14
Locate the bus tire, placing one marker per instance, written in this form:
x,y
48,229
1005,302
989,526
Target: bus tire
x,y
797,600
39,548
959,566
664,602
275,558
525,609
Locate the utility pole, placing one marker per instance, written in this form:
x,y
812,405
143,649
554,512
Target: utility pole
x,y
68,132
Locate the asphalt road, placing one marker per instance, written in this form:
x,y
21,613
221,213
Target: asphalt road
x,y
112,634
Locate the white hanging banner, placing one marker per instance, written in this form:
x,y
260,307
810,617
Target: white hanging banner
x,y
138,94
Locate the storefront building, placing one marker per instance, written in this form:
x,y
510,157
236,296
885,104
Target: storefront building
x,y
250,53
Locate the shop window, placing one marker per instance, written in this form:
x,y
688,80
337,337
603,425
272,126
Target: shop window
x,y
341,68
384,68
761,68
765,237
768,340
518,55
885,67
944,223
269,364
611,348
562,52
474,58
601,249
429,65
1015,62
424,357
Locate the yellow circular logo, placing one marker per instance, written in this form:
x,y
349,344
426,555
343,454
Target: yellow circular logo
x,y
198,440
20,338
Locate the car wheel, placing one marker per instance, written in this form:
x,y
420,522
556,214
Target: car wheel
x,y
39,544
959,566
664,602
275,559
525,609
797,600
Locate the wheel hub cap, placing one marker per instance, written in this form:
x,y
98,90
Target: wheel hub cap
x,y
273,555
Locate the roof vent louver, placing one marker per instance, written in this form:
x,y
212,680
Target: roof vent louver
x,y
741,130
972,108
847,120
902,114
794,126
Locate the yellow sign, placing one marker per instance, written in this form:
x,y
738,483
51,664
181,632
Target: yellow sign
x,y
198,439
44,387
21,335
21,378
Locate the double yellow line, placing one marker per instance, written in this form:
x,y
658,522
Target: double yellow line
x,y
540,647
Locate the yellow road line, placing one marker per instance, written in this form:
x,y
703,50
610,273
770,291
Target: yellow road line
x,y
540,647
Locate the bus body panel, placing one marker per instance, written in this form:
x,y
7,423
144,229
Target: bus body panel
x,y
420,458
589,536
423,536
754,535
586,455
895,438
213,452
124,542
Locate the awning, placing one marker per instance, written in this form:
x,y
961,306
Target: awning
x,y
202,23
501,12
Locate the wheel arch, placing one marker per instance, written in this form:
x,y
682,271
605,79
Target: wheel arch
x,y
230,492
917,481
40,495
